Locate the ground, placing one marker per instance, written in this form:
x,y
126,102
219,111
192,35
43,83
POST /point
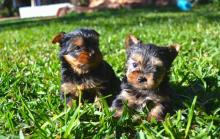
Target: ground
x,y
30,75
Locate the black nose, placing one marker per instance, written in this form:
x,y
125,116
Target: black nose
x,y
141,79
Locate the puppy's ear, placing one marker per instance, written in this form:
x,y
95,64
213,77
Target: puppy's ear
x,y
174,50
131,41
58,37
96,34
175,47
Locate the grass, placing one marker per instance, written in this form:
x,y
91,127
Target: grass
x,y
30,75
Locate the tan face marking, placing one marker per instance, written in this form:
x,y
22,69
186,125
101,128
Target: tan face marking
x,y
83,63
153,83
75,65
156,62
137,58
150,84
84,58
78,42
132,77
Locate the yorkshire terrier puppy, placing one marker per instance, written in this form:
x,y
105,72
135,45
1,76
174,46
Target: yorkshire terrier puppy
x,y
83,70
147,78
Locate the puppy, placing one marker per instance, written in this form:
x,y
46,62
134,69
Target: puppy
x,y
147,78
83,70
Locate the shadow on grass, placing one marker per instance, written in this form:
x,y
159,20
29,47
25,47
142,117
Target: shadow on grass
x,y
208,98
131,14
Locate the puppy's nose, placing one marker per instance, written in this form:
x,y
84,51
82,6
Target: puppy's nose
x,y
141,79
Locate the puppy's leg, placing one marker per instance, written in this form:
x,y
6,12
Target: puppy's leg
x,y
158,111
117,105
69,91
121,99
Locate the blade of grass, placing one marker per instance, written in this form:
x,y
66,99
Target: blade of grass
x,y
190,116
55,118
148,131
21,135
74,119
168,130
31,116
141,135
10,121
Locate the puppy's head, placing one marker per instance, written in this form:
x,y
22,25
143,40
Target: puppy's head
x,y
148,64
80,49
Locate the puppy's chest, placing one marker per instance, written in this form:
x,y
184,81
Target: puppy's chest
x,y
140,97
82,84
87,84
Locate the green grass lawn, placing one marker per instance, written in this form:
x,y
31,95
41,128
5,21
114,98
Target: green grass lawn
x,y
30,105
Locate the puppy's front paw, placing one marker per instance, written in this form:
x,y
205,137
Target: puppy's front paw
x,y
117,112
157,112
157,117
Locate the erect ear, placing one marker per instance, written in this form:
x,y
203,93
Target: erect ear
x,y
174,50
131,40
58,38
96,34
175,47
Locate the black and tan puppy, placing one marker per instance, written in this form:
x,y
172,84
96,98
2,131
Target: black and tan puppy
x,y
83,68
147,78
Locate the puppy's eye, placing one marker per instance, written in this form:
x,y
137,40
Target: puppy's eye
x,y
158,70
134,65
77,47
